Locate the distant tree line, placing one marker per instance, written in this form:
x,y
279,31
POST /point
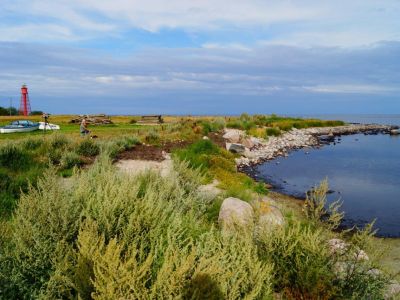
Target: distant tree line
x,y
7,111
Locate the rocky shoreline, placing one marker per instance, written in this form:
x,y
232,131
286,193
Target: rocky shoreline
x,y
255,151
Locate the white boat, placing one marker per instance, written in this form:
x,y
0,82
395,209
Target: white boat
x,y
48,126
20,126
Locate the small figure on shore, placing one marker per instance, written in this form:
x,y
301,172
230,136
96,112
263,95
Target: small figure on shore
x,y
83,128
46,118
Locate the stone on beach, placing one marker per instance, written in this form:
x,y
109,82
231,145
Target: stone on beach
x,y
270,216
233,135
235,213
210,191
236,148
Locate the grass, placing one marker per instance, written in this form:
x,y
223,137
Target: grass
x,y
218,163
112,236
275,124
106,235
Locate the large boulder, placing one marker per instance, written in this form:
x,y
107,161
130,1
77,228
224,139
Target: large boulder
x,y
235,213
233,135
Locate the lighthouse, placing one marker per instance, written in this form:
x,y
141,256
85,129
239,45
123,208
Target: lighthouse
x,y
25,106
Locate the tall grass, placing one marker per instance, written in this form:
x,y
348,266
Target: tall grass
x,y
111,236
249,123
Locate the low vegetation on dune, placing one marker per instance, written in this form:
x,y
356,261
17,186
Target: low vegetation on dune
x,y
105,234
273,125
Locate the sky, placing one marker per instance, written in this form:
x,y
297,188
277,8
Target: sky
x,y
201,56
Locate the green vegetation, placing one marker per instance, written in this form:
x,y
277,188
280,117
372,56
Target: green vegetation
x,y
7,111
103,234
113,236
276,124
218,163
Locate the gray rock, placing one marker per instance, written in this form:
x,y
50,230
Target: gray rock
x,y
247,142
337,246
235,213
237,148
393,290
210,191
270,217
233,135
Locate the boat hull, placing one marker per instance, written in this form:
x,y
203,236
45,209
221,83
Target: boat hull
x,y
22,129
48,126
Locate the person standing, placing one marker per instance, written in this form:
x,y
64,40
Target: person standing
x,y
83,128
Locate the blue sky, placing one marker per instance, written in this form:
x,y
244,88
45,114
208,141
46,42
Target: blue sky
x,y
202,56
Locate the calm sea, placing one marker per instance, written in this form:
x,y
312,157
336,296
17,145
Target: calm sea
x,y
363,171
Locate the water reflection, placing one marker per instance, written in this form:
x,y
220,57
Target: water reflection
x,y
364,171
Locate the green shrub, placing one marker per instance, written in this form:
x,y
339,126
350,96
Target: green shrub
x,y
236,124
12,156
317,210
7,206
112,236
32,143
272,131
212,126
58,141
301,259
260,188
152,137
245,117
70,160
88,148
127,142
199,154
55,156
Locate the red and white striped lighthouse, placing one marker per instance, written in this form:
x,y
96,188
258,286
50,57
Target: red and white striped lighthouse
x,y
25,106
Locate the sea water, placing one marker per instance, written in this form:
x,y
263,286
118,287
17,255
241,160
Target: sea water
x,y
363,171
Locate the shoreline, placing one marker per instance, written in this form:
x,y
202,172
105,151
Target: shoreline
x,y
260,150
296,139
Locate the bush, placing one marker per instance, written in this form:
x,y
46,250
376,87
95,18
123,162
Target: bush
x,y
55,156
272,131
301,259
236,124
127,142
58,141
317,210
70,160
112,236
198,154
88,148
152,137
32,143
13,157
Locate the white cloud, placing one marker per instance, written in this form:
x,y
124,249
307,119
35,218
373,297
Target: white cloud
x,y
352,89
42,32
301,23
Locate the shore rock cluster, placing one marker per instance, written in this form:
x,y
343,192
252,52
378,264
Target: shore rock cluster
x,y
257,150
